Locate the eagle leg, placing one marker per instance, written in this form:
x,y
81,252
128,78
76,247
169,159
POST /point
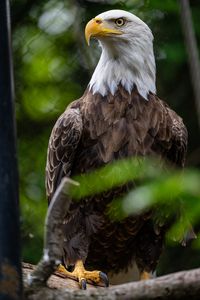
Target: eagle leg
x,y
145,275
83,276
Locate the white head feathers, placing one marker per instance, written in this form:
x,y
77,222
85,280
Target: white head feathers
x,y
126,59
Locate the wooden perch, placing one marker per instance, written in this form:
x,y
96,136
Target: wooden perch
x,y
182,285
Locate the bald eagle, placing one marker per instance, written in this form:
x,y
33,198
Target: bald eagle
x,y
118,116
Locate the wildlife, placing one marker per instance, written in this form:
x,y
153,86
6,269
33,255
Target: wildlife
x,y
119,116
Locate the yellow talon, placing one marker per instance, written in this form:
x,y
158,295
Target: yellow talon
x,y
62,269
82,276
145,275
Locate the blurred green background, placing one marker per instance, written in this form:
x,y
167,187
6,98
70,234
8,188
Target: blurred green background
x,y
53,65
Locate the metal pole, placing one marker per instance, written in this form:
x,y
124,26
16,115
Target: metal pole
x,y
10,269
192,49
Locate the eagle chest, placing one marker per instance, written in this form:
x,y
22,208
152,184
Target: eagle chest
x,y
117,130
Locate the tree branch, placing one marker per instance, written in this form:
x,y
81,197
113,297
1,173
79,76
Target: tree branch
x,y
182,285
53,241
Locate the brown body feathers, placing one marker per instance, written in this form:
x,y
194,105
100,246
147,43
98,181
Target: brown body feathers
x,y
94,131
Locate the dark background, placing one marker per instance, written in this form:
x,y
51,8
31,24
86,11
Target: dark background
x,y
53,65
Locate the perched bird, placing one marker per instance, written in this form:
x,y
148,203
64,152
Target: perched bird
x,y
118,116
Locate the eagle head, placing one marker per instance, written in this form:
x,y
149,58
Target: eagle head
x,y
117,25
127,53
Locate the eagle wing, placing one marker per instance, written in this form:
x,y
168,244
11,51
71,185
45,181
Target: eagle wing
x,y
171,137
62,147
179,139
171,141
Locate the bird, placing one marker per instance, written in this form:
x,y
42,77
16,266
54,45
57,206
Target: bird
x,y
119,116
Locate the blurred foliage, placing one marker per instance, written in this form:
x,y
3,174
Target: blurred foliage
x,y
53,66
174,195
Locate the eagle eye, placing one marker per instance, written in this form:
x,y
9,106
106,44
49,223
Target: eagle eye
x,y
120,22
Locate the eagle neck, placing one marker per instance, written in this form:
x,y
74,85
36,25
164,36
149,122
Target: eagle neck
x,y
127,65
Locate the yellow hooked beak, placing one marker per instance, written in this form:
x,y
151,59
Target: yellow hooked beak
x,y
96,28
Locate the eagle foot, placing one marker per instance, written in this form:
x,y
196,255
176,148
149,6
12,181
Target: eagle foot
x,y
82,276
145,275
